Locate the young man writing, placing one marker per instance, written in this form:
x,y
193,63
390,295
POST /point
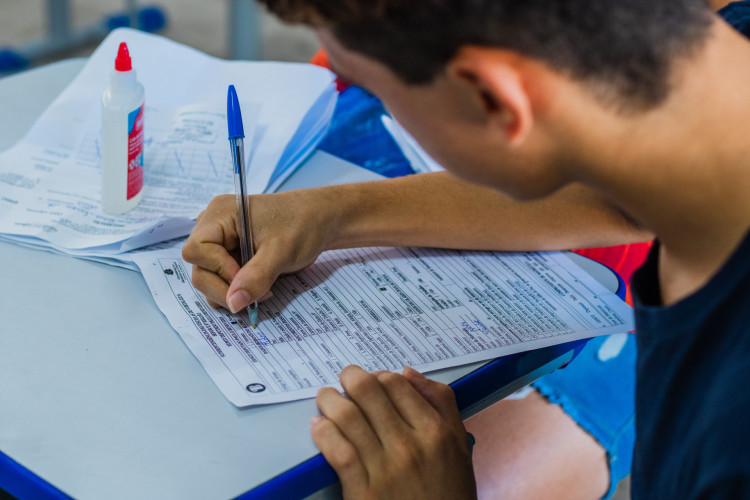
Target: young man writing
x,y
572,124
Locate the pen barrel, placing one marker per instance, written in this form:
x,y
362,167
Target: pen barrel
x,y
244,231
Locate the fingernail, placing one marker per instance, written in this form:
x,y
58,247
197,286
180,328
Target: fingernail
x,y
238,301
314,420
414,373
266,296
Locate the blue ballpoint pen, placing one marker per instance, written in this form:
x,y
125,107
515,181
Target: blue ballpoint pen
x,y
236,142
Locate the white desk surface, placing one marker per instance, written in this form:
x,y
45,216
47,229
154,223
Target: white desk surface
x,y
99,395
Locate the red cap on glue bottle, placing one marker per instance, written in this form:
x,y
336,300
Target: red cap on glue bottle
x,y
122,62
123,76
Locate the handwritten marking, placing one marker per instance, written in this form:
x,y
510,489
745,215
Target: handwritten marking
x,y
179,163
211,161
262,338
477,327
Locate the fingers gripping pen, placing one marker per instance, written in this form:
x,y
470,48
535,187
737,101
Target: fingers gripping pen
x,y
236,142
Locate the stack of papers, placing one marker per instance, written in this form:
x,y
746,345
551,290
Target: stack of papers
x,y
50,181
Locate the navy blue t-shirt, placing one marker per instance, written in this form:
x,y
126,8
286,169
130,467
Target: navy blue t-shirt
x,y
693,386
737,14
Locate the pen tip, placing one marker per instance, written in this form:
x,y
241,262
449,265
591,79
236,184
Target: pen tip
x,y
255,326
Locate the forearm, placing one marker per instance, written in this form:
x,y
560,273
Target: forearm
x,y
440,210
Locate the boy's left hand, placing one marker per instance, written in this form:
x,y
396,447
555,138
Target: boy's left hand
x,y
399,436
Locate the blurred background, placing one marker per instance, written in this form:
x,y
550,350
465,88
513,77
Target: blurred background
x,y
34,32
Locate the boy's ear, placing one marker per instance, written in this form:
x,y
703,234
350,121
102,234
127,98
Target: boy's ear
x,y
498,85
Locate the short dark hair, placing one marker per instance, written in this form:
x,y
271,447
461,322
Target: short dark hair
x,y
624,48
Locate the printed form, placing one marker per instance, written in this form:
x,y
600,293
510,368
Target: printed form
x,y
381,309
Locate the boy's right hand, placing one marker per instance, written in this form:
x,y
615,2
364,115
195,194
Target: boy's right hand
x,y
290,230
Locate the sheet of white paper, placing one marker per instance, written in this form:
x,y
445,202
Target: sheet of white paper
x,y
49,181
420,161
123,260
383,308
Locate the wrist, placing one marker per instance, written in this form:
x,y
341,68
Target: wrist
x,y
375,213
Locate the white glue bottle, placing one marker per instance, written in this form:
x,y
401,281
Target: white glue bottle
x,y
122,137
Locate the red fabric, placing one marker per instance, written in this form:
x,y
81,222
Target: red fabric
x,y
623,259
321,59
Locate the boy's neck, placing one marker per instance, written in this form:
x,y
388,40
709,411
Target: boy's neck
x,y
683,170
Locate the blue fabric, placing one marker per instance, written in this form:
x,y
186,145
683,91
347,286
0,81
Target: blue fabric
x,y
598,395
357,135
693,406
737,14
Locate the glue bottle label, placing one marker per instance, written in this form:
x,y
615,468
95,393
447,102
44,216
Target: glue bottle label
x,y
135,152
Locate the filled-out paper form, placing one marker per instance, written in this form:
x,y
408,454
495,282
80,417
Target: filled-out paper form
x,y
382,309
